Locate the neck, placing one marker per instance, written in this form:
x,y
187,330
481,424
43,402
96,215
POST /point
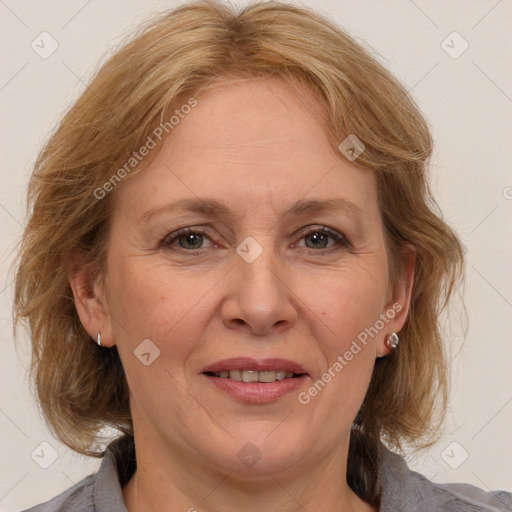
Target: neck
x,y
165,482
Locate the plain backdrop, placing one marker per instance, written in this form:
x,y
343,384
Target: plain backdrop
x,y
466,97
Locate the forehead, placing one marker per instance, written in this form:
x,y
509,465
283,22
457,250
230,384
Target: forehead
x,y
250,143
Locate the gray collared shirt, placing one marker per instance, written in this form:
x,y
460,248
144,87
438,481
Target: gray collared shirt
x,y
402,490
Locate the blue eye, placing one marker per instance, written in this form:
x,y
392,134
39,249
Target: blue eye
x,y
192,241
319,238
187,239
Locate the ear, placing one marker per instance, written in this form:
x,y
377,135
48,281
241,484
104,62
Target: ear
x,y
398,299
90,299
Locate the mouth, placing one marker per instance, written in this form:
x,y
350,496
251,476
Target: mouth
x,y
255,381
246,369
254,375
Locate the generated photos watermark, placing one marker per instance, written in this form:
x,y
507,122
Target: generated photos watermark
x,y
304,397
151,142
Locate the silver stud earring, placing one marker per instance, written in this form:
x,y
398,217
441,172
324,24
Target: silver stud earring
x,y
392,341
98,339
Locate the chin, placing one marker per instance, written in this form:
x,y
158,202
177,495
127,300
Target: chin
x,y
255,456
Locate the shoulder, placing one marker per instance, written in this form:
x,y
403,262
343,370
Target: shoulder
x,y
408,491
78,497
102,490
468,498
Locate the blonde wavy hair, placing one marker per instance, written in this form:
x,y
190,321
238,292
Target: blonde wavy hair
x,y
82,387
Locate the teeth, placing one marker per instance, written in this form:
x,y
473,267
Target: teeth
x,y
235,375
280,375
250,376
268,376
255,376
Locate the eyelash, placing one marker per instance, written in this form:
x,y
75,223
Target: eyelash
x,y
341,240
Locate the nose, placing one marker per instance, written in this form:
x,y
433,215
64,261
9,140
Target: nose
x,y
261,300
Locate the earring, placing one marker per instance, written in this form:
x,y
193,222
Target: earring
x,y
392,341
98,339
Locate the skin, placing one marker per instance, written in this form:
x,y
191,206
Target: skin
x,y
257,146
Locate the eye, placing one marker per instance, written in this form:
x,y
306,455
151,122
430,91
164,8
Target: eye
x,y
187,239
318,239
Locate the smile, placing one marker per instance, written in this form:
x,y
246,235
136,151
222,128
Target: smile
x,y
254,375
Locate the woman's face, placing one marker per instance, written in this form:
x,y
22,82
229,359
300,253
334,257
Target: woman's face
x,y
250,172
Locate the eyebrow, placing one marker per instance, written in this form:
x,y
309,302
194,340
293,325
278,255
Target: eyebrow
x,y
216,208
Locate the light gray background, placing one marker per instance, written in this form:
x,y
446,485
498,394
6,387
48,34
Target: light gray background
x,y
468,102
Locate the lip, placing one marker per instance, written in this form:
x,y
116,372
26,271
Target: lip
x,y
248,363
257,392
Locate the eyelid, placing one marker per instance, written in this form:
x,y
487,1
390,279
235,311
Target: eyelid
x,y
339,238
170,238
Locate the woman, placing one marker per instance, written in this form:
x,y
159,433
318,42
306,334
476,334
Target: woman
x,y
245,234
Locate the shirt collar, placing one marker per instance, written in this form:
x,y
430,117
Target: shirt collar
x,y
117,467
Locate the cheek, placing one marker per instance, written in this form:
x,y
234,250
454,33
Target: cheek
x,y
171,311
156,303
348,350
342,304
